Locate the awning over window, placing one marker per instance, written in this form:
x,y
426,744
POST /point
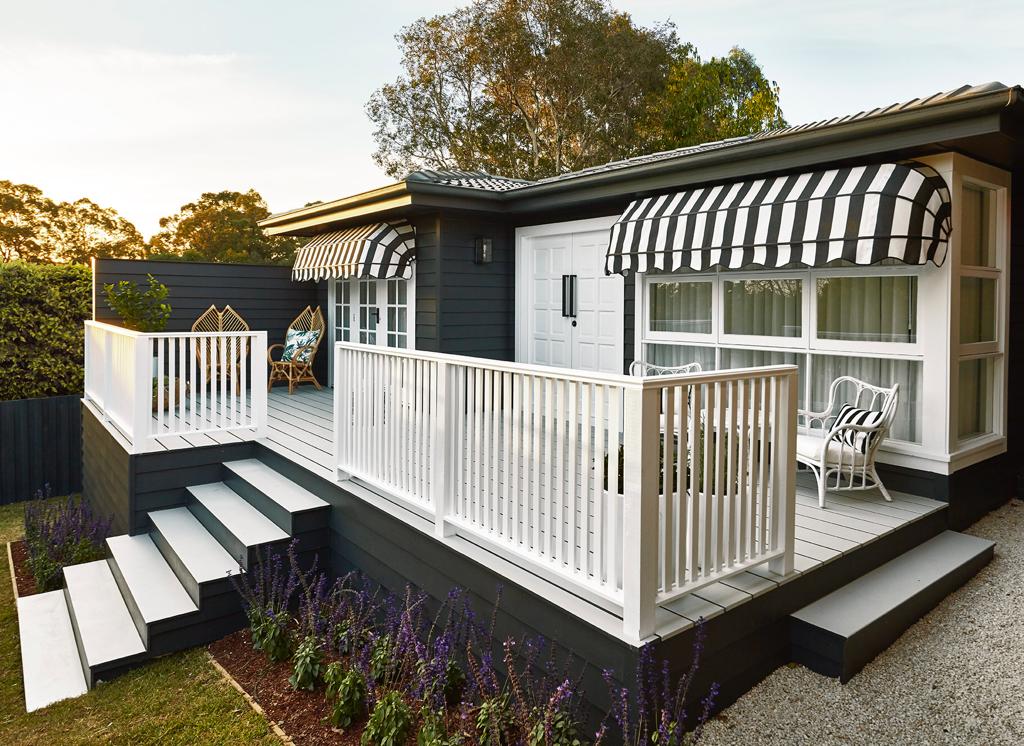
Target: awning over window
x,y
862,214
377,250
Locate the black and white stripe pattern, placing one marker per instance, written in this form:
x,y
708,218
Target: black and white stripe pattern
x,y
377,250
862,214
851,415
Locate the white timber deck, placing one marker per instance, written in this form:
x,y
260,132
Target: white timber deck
x,y
301,426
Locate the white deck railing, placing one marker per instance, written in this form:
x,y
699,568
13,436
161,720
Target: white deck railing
x,y
153,385
591,480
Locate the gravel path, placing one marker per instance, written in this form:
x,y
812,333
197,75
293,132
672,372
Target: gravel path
x,y
955,677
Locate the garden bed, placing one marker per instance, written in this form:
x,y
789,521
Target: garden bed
x,y
302,715
23,579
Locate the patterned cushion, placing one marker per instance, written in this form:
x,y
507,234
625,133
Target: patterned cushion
x,y
296,339
850,415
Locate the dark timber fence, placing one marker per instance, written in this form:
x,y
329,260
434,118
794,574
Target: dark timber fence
x,y
40,444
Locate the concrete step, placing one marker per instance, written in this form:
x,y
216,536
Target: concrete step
x,y
240,528
108,641
293,508
842,632
155,596
203,566
50,666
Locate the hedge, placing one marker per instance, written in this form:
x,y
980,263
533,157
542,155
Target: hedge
x,y
42,307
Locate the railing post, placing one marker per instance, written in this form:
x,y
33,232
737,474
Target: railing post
x,y
142,391
258,383
440,456
640,511
342,415
784,469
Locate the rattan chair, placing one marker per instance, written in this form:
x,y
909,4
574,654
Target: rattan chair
x,y
208,350
296,365
640,368
839,443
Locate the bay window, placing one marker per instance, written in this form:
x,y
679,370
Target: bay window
x,y
937,331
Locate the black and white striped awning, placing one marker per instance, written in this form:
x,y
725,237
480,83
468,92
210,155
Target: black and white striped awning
x,y
377,250
862,214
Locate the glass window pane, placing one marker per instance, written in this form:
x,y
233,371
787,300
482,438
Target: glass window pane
x,y
977,309
740,358
977,240
683,307
880,372
672,355
764,308
975,397
867,309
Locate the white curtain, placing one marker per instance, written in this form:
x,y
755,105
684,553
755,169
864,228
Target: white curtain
x,y
683,307
768,307
867,309
977,309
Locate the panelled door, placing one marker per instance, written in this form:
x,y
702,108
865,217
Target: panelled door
x,y
574,313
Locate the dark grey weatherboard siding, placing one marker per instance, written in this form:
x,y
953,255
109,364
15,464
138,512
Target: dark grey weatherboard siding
x,y
107,480
265,296
40,445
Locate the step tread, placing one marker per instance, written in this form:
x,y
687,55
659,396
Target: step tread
x,y
156,589
857,604
51,669
245,522
292,497
203,556
105,625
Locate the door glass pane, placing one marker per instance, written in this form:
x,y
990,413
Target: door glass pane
x,y
673,355
343,311
368,312
683,307
867,309
877,371
741,358
978,239
764,308
397,314
975,397
977,309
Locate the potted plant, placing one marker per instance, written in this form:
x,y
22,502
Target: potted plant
x,y
145,310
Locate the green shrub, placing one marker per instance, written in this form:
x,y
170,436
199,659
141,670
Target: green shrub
x,y
433,732
390,723
42,310
141,310
308,665
346,688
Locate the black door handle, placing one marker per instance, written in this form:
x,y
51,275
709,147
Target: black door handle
x,y
569,296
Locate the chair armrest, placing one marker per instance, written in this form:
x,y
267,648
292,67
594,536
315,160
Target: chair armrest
x,y
300,351
270,359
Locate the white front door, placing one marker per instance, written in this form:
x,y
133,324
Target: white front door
x,y
571,313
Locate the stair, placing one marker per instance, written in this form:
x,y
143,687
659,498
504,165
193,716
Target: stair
x,y
49,655
842,632
164,590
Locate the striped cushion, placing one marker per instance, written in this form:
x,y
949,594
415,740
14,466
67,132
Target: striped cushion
x,y
850,415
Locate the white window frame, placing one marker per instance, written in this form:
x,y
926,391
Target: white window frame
x,y
753,340
974,448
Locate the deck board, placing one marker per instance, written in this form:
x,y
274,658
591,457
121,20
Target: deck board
x,y
300,428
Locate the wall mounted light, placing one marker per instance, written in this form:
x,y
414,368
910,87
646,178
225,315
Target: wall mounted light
x,y
484,250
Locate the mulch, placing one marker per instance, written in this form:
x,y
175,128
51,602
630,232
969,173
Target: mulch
x,y
304,716
22,574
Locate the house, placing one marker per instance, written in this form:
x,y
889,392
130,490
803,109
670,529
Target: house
x,y
476,427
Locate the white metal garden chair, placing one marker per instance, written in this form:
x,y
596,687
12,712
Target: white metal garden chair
x,y
640,368
839,445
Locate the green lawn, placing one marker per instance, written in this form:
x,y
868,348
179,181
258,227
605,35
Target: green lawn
x,y
177,699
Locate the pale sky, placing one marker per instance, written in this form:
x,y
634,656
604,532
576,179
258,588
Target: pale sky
x,y
142,106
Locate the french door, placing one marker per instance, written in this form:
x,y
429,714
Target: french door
x,y
572,313
373,312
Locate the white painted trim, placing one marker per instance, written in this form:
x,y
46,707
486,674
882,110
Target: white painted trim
x,y
332,322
